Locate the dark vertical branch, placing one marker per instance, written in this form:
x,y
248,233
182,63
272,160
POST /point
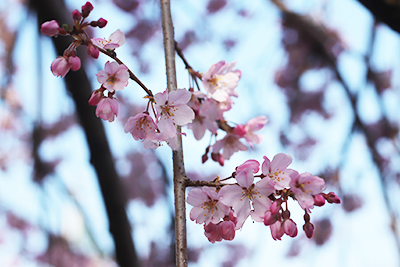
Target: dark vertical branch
x,y
177,157
79,87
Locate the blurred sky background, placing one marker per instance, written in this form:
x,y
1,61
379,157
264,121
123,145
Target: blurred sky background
x,y
68,202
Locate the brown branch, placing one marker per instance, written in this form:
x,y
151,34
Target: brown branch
x,y
79,87
177,155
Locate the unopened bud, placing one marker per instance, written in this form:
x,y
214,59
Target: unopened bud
x,y
76,15
308,229
102,22
270,218
218,158
50,28
96,97
332,198
319,200
74,63
92,51
86,9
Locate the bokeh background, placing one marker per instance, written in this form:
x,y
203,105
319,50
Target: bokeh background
x,y
325,73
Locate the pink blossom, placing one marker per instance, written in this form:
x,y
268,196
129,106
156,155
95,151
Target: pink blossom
x,y
277,170
251,163
114,76
252,126
206,117
107,109
172,109
211,231
229,144
304,186
74,63
221,80
92,51
319,200
227,230
115,40
206,205
50,28
141,126
245,195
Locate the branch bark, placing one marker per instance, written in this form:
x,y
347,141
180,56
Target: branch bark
x,y
177,155
79,87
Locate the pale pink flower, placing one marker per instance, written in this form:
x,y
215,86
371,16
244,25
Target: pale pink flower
x,y
50,28
115,40
221,80
114,76
304,186
206,205
211,231
74,63
247,198
251,163
172,109
277,170
107,109
206,117
252,126
141,126
229,144
227,230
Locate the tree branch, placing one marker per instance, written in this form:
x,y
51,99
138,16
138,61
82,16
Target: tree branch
x,y
177,156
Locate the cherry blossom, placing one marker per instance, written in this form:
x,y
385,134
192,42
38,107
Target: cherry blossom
x,y
141,126
304,186
245,195
229,144
221,80
277,170
252,126
206,206
62,65
172,109
107,109
115,40
114,76
206,117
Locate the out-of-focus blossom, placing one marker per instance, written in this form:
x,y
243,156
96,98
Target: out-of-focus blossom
x,y
50,28
304,186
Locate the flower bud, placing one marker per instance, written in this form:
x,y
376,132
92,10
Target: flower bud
x,y
74,63
60,67
227,230
308,229
319,200
86,9
76,15
289,227
275,206
50,28
92,51
218,158
332,198
102,22
204,158
277,230
270,218
96,97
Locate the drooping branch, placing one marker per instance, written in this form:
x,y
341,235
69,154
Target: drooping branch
x,y
177,157
79,87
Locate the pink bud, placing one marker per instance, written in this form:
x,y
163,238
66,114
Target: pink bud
x,y
92,51
204,158
270,218
332,198
50,28
212,232
290,228
76,15
308,229
319,200
232,217
227,230
86,9
277,230
96,97
74,63
60,67
102,22
218,158
276,206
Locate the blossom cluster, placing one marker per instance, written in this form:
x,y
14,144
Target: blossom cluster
x,y
220,83
225,208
